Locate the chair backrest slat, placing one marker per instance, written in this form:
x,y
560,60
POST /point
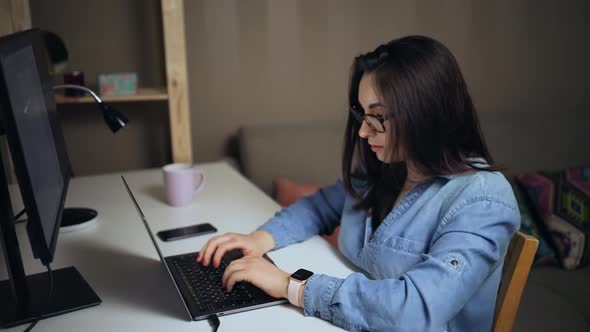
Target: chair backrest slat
x,y
517,264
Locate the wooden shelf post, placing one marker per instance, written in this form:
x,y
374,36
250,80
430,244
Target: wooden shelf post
x,y
176,73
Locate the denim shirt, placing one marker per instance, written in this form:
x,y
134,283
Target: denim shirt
x,y
434,263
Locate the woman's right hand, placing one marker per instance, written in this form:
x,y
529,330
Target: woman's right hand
x,y
255,244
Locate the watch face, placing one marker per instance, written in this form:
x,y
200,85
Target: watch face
x,y
302,274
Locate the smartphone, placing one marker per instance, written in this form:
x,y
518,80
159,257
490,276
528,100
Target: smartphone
x,y
187,231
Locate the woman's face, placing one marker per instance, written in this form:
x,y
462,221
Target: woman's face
x,y
371,103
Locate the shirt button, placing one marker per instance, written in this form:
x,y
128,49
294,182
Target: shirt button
x,y
454,262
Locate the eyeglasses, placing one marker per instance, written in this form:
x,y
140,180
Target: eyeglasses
x,y
375,121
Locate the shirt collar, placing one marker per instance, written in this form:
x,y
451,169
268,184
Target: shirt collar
x,y
477,161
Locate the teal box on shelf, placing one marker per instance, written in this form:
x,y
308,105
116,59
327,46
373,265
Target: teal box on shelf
x,y
119,84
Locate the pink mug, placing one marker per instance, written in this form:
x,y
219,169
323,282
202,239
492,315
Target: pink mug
x,y
182,182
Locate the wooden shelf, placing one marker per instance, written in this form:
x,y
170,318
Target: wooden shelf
x,y
18,17
145,94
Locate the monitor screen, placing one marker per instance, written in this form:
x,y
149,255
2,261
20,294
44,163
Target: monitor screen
x,y
34,137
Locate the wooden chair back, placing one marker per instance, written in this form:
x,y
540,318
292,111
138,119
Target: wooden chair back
x,y
517,264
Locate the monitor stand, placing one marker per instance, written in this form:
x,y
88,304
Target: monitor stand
x,y
70,292
74,219
26,298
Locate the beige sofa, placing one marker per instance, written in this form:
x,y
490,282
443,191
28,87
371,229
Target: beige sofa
x,y
554,300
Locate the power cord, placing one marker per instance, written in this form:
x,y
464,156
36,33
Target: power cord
x,y
32,325
18,215
50,272
21,221
214,322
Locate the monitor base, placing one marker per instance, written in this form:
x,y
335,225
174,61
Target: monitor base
x,y
76,216
74,219
70,292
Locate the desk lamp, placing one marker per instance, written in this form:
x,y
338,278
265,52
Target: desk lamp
x,y
115,120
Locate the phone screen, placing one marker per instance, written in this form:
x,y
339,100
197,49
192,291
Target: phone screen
x,y
184,232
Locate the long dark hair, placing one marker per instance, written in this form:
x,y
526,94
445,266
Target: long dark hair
x,y
434,123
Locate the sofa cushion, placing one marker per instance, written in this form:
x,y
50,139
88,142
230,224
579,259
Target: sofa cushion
x,y
311,151
305,153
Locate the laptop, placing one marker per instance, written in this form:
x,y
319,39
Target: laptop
x,y
199,287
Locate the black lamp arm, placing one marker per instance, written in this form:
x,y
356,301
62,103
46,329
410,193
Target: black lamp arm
x,y
113,118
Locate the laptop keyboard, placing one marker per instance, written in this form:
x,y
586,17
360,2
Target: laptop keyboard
x,y
204,285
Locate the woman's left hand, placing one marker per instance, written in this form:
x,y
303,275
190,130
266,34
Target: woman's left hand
x,y
259,272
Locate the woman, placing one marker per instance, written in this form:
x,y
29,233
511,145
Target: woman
x,y
422,208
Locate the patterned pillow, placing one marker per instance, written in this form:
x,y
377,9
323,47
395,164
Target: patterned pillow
x,y
531,224
562,200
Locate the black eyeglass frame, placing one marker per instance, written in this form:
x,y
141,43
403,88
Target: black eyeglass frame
x,y
361,116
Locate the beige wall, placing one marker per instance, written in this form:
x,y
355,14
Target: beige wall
x,y
262,61
107,36
284,60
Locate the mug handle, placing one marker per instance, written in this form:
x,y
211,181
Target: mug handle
x,y
201,184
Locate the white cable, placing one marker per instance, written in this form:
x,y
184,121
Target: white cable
x,y
79,87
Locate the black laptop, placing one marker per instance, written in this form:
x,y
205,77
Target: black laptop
x,y
200,287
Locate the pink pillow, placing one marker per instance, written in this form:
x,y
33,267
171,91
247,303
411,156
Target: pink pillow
x,y
288,192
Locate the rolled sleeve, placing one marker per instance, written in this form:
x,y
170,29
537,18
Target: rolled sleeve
x,y
317,295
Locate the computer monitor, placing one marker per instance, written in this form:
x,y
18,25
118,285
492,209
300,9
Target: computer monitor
x,y
31,124
35,139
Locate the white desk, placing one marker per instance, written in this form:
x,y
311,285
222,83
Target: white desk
x,y
118,260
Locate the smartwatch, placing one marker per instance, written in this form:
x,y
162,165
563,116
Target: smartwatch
x,y
296,281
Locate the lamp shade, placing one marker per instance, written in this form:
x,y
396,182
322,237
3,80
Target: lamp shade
x,y
113,118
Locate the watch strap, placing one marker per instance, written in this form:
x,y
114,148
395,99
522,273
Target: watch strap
x,y
293,291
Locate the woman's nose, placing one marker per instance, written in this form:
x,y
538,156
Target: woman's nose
x,y
365,130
